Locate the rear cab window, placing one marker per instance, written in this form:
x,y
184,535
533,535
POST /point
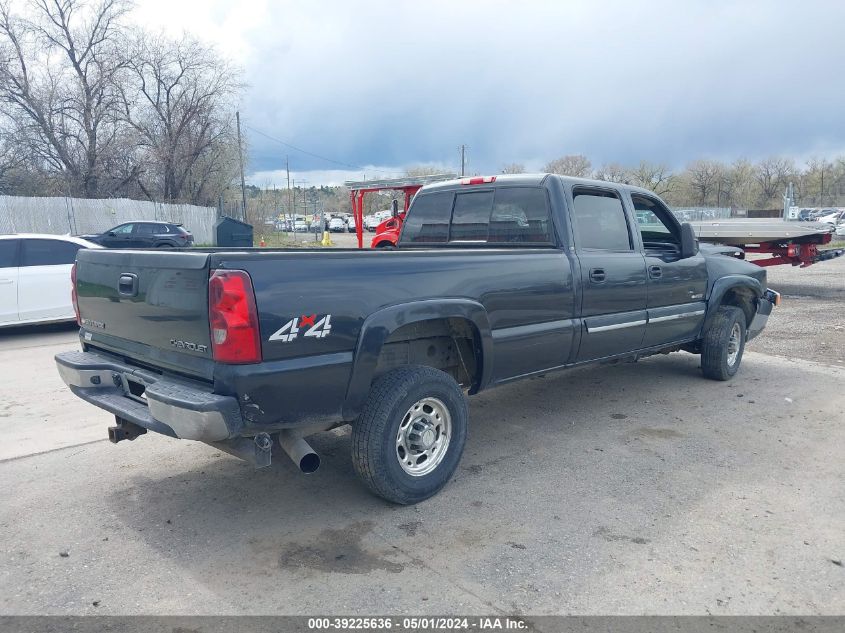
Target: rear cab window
x,y
499,216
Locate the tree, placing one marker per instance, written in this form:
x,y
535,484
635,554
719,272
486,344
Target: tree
x,y
739,179
612,172
183,117
576,165
60,85
513,168
422,170
703,178
652,176
772,175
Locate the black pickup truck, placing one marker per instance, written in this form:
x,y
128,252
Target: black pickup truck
x,y
495,279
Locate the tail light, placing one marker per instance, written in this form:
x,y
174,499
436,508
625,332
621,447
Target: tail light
x,y
233,318
74,295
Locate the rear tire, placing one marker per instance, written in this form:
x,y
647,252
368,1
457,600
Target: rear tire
x,y
723,344
411,412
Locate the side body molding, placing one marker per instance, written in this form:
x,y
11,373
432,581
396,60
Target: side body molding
x,y
378,326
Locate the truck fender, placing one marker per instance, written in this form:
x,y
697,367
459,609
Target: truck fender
x,y
721,287
380,325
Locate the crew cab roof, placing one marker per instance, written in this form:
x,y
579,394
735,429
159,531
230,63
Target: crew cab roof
x,y
534,180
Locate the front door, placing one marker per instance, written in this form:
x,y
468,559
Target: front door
x,y
119,237
676,286
613,275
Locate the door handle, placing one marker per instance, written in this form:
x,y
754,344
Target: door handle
x,y
597,275
655,272
4,282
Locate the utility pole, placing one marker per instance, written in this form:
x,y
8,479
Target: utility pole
x,y
463,159
241,159
821,188
290,204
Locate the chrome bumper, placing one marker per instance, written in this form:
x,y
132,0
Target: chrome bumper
x,y
149,400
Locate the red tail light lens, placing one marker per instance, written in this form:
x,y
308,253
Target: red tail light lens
x,y
478,180
233,318
74,296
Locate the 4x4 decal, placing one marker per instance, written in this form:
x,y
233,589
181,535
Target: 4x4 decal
x,y
317,328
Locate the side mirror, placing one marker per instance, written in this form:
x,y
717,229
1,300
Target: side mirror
x,y
111,233
689,242
395,207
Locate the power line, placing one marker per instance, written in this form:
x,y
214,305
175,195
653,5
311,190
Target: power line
x,y
303,151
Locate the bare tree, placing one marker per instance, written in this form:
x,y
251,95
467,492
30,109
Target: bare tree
x,y
612,172
702,178
513,168
772,175
576,165
653,176
59,84
182,115
423,170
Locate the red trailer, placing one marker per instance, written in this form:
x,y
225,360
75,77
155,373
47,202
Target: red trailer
x,y
388,231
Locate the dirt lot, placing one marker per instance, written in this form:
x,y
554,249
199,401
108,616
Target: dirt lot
x,y
637,488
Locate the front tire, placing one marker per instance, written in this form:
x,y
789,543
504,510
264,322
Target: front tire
x,y
723,344
410,437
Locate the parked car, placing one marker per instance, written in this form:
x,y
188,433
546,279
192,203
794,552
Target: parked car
x,y
833,217
495,279
35,285
337,225
143,235
350,225
371,222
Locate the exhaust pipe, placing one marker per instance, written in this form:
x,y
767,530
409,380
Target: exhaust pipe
x,y
299,451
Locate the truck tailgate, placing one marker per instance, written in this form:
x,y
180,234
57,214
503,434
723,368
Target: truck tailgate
x,y
141,301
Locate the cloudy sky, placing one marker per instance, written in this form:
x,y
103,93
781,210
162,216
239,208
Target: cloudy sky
x,y
377,86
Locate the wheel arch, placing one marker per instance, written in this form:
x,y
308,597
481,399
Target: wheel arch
x,y
379,326
736,290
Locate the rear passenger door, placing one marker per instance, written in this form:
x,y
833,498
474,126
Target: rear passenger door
x,y
613,275
676,286
44,279
8,281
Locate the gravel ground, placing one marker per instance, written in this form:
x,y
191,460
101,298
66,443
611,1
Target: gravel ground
x,y
810,323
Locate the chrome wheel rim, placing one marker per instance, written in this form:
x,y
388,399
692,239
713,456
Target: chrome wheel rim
x,y
423,437
733,344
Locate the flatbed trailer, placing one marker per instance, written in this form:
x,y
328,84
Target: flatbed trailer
x,y
793,243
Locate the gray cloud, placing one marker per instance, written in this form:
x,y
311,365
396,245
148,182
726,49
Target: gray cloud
x,y
398,83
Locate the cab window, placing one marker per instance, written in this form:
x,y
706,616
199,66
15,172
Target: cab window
x,y
428,219
659,232
471,217
599,220
123,229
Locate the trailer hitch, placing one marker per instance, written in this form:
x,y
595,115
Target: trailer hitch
x,y
125,430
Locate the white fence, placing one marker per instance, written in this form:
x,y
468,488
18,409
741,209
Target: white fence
x,y
78,216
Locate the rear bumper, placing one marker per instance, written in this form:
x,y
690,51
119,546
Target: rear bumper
x,y
155,402
769,299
